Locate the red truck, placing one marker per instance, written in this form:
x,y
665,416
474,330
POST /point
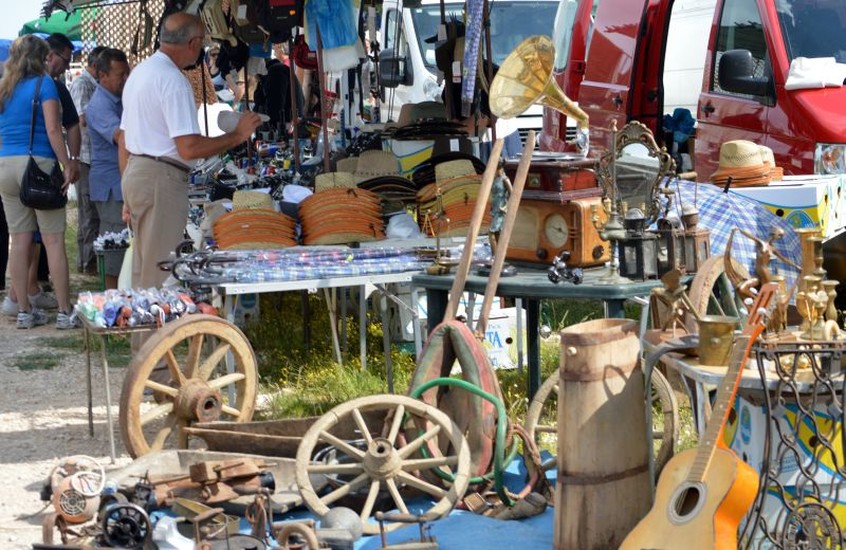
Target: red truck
x,y
611,59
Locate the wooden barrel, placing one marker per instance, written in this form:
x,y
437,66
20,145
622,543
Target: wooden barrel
x,y
603,486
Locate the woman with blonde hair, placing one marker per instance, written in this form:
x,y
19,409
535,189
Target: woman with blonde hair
x,y
23,74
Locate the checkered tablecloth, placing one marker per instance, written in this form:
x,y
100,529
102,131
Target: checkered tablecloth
x,y
721,212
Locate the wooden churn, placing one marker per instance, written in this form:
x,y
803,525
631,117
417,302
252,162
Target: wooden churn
x,y
603,486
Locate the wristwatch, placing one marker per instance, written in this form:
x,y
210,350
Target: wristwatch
x,y
73,157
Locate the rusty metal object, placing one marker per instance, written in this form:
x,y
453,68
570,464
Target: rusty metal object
x,y
283,533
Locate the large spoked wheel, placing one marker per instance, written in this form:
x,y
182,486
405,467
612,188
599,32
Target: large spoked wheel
x,y
156,403
542,419
711,291
387,465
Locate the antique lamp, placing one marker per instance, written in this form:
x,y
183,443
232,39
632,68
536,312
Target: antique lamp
x,y
638,250
697,240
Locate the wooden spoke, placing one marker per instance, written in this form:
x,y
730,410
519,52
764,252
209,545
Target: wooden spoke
x,y
335,468
421,485
226,379
395,494
164,433
342,445
367,509
181,435
156,412
362,426
231,411
344,490
173,367
429,463
167,390
213,360
396,424
414,445
192,362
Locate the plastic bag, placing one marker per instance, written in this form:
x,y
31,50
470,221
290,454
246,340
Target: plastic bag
x,y
125,276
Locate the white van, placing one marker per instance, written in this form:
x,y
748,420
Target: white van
x,y
408,70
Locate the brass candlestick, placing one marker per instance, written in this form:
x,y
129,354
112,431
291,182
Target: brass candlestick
x,y
808,253
612,231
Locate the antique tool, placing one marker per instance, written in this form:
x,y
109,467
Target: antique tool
x,y
125,526
426,540
638,250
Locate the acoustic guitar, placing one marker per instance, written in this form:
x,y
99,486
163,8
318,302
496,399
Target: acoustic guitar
x,y
704,493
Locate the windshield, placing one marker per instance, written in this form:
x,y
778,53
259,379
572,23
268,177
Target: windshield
x,y
511,23
813,28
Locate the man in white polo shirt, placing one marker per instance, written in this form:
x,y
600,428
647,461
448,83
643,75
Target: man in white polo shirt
x,y
160,137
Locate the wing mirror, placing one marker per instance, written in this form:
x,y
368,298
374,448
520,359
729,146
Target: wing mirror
x,y
736,74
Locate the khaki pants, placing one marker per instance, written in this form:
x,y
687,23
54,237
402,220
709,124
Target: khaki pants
x,y
157,197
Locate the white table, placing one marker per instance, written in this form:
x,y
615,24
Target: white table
x,y
329,285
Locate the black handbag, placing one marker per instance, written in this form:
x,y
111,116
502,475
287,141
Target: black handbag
x,y
40,190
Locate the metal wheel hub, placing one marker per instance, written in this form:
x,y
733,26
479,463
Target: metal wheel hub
x,y
198,402
381,460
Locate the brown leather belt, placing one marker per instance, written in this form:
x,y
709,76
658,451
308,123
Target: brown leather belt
x,y
167,160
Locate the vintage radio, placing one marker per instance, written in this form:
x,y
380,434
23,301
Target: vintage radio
x,y
544,228
558,180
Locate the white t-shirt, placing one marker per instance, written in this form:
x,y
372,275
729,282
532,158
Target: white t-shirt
x,y
158,105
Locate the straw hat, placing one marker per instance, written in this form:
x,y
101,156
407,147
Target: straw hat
x,y
348,164
740,161
334,179
252,199
372,164
453,170
768,158
254,228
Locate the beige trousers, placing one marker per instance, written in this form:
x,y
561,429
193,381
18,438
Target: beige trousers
x,y
157,197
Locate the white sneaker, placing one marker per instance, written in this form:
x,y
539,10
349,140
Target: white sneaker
x,y
9,307
34,318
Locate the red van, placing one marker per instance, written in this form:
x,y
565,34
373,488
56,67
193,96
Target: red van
x,y
611,54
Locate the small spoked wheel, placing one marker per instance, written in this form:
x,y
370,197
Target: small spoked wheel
x,y
542,419
387,465
180,376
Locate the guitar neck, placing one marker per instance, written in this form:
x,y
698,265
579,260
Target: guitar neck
x,y
726,392
727,389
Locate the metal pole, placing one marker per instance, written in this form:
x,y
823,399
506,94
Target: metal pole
x,y
324,116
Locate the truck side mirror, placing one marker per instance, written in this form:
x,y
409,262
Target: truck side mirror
x,y
395,70
736,74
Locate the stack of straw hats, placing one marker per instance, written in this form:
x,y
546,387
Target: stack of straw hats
x,y
374,164
450,200
327,180
746,164
254,228
341,215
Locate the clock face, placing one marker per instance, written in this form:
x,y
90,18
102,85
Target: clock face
x,y
555,230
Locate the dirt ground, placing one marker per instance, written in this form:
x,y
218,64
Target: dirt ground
x,y
43,418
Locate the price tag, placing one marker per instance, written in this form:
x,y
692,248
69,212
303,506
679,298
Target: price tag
x,y
442,32
456,72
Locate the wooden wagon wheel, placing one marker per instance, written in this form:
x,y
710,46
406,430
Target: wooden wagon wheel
x,y
382,464
194,349
712,293
541,419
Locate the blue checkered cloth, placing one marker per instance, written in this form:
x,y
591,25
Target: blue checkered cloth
x,y
721,212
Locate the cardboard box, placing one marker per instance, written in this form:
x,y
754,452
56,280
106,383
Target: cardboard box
x,y
409,153
803,201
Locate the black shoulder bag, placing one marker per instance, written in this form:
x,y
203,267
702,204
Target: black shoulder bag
x,y
40,190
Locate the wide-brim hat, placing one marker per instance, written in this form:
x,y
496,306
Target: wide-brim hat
x,y
242,199
254,228
348,164
327,180
339,215
424,173
456,170
740,161
411,113
768,158
372,164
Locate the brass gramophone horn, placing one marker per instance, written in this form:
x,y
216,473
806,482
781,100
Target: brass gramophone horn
x,y
525,78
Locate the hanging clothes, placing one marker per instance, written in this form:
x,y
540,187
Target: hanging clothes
x,y
470,63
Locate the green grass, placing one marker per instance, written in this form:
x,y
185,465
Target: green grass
x,y
38,360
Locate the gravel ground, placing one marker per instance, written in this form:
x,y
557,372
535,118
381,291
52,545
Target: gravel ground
x,y
43,418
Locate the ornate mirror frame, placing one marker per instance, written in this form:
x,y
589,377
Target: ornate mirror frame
x,y
635,133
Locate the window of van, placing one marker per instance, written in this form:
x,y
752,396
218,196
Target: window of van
x,y
511,22
741,29
813,28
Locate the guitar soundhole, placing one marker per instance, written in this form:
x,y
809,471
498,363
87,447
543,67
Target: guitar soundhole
x,y
688,501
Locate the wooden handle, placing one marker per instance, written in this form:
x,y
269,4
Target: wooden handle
x,y
475,225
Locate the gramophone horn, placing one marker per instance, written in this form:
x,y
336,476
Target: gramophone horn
x,y
525,78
